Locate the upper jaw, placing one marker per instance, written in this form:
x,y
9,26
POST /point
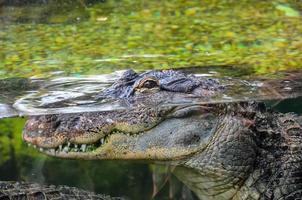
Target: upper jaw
x,y
176,136
75,132
60,146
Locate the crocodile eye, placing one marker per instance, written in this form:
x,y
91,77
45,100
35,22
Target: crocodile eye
x,y
148,83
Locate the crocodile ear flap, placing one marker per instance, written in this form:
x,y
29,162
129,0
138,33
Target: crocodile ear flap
x,y
183,84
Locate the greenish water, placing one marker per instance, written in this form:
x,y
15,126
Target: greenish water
x,y
91,38
59,39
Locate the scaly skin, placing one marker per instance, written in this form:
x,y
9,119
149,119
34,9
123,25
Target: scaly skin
x,y
32,191
226,151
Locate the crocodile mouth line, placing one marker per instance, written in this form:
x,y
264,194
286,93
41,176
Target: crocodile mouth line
x,y
71,147
68,147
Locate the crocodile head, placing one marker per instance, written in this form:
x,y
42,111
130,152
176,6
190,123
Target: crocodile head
x,y
227,151
142,132
166,133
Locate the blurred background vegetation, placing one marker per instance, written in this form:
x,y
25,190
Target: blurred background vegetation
x,y
92,37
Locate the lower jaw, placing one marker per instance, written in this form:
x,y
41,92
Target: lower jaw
x,y
73,155
113,152
121,146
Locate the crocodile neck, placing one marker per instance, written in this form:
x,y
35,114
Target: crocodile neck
x,y
262,162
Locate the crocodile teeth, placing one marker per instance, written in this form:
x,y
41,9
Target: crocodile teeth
x,y
66,149
72,147
83,147
75,148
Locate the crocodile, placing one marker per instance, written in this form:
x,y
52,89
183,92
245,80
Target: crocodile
x,y
239,150
10,190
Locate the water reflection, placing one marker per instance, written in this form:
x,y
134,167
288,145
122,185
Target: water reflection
x,y
78,94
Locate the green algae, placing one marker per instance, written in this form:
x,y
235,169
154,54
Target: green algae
x,y
103,37
288,11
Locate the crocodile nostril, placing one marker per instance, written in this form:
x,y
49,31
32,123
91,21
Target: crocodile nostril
x,y
56,124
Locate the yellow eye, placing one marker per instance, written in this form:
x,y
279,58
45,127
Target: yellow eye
x,y
148,83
